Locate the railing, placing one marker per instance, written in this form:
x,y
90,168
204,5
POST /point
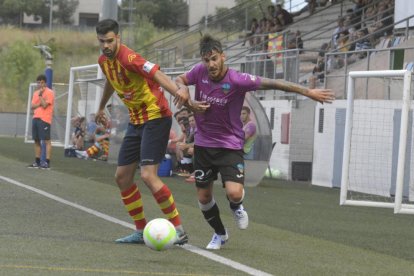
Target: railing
x,y
345,55
339,76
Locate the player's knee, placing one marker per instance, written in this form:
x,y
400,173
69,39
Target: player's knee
x,y
147,176
235,195
121,179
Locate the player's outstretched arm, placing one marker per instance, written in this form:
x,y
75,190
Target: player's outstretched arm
x,y
319,95
180,92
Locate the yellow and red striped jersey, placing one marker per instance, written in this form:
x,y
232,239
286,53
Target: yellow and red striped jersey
x,y
132,78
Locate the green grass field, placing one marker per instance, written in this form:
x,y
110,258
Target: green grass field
x,y
295,228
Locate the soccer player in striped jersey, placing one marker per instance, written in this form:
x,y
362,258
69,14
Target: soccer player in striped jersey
x,y
139,84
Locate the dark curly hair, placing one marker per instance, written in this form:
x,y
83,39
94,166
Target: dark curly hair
x,y
208,44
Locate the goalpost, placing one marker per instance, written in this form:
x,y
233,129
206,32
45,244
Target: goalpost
x,y
378,152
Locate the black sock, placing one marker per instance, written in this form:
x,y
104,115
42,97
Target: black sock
x,y
233,205
48,161
37,160
212,216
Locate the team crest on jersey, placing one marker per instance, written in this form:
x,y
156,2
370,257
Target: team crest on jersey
x,y
225,87
131,57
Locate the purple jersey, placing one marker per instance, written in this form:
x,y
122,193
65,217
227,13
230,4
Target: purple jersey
x,y
220,126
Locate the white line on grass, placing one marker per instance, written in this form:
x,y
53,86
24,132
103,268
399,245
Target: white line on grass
x,y
189,247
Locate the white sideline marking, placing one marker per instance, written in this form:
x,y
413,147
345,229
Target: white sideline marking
x,y
189,247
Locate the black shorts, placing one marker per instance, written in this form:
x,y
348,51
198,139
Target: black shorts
x,y
208,162
146,143
40,130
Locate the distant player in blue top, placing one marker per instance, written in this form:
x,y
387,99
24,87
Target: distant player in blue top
x,y
219,138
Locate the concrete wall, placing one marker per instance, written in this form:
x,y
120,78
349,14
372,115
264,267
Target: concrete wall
x,y
12,124
280,155
324,144
302,132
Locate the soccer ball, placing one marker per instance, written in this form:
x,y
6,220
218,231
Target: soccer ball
x,y
159,234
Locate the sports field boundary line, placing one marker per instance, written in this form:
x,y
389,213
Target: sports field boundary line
x,y
194,249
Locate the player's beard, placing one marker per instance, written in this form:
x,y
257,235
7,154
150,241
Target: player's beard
x,y
216,74
110,53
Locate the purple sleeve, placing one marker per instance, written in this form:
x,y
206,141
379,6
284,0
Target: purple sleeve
x,y
250,129
248,82
193,73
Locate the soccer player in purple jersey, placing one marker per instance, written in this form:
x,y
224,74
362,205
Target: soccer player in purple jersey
x,y
218,100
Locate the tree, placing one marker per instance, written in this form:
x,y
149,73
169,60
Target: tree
x,y
62,11
21,63
12,11
166,14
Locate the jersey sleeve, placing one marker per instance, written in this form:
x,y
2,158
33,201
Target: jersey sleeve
x,y
50,97
250,129
136,63
193,73
247,82
35,98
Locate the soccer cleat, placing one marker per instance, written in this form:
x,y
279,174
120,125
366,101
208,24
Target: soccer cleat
x,y
241,218
217,241
81,154
44,166
34,166
136,237
182,238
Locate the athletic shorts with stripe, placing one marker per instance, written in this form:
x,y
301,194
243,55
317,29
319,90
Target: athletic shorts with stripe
x,y
146,143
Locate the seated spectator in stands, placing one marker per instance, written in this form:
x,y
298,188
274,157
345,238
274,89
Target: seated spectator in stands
x,y
283,15
362,43
179,115
296,42
339,28
348,25
90,129
355,14
183,162
183,112
344,42
102,134
260,40
254,25
172,144
274,26
369,15
187,148
78,135
383,23
249,128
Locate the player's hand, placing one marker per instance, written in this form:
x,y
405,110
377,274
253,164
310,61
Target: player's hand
x,y
182,95
199,106
321,95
